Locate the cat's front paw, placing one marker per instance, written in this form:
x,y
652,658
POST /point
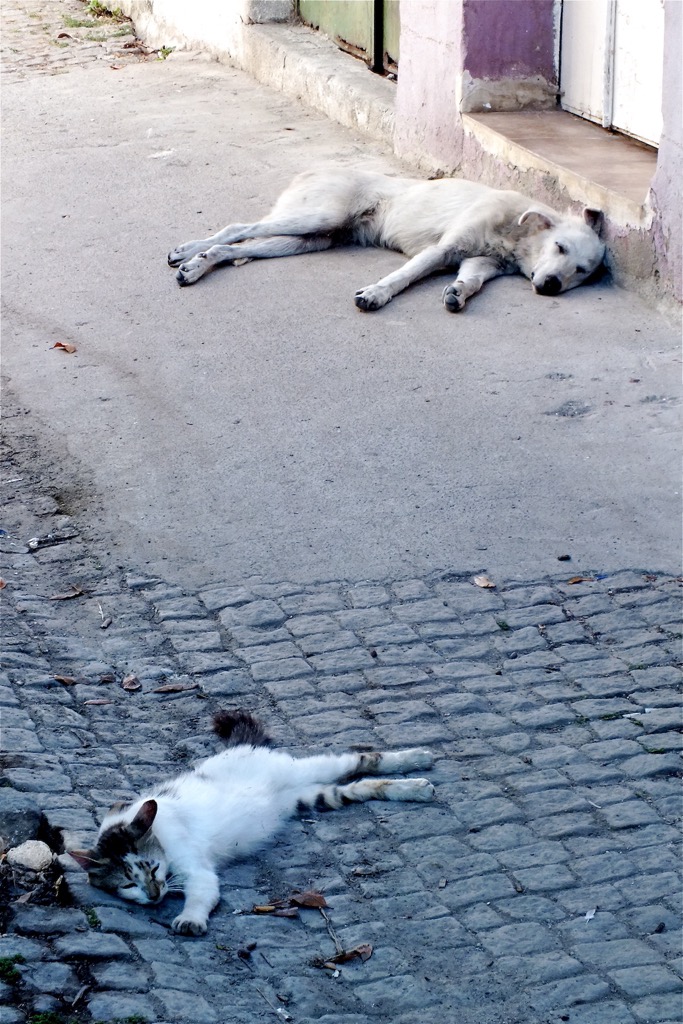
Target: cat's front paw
x,y
189,925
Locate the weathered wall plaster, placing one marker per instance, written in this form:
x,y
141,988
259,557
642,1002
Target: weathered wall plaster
x,y
667,186
428,130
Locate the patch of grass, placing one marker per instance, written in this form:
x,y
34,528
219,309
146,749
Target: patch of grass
x,y
502,624
100,10
165,52
8,970
92,918
78,22
610,717
135,1019
48,1018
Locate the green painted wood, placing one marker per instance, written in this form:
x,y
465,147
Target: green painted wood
x,y
345,21
350,24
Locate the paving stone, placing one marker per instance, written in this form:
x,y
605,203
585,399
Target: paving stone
x,y
20,817
92,946
215,599
586,988
116,1006
646,980
53,978
121,977
615,953
658,1008
516,939
609,1011
256,613
362,596
30,920
124,923
181,1005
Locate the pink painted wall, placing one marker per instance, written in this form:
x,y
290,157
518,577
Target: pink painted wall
x,y
667,186
427,119
509,39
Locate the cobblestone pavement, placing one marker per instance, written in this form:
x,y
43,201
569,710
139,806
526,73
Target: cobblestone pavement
x,y
542,886
51,36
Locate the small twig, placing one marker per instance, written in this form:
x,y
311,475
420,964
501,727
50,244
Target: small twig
x,y
282,1014
331,932
81,992
265,958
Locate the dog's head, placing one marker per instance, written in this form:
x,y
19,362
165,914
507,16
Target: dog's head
x,y
567,250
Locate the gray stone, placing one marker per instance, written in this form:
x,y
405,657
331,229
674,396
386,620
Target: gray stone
x,y
52,978
185,1006
30,920
19,817
646,980
92,946
121,976
118,1006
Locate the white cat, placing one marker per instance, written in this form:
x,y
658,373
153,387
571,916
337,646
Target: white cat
x,y
174,838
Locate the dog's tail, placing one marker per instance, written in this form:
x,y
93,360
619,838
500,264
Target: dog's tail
x,y
238,728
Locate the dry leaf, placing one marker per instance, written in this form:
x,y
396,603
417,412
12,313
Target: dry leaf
x,y
66,680
64,35
75,592
65,346
99,700
176,687
3,584
106,623
590,915
276,909
484,581
131,683
309,899
25,898
363,952
581,579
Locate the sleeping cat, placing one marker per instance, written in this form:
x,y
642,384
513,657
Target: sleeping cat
x,y
174,838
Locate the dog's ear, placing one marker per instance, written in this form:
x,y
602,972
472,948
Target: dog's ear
x,y
593,219
536,220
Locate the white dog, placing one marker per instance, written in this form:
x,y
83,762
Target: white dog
x,y
482,231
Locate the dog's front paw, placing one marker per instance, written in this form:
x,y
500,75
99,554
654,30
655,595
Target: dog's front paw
x,y
184,252
192,270
453,299
189,925
373,297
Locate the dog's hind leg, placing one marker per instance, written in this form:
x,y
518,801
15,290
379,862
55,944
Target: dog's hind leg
x,y
251,249
435,257
472,276
313,222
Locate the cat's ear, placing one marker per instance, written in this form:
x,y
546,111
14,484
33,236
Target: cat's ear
x,y
86,858
144,819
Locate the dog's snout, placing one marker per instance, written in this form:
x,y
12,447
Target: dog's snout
x,y
551,286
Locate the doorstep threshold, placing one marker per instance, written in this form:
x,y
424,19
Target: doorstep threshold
x,y
595,166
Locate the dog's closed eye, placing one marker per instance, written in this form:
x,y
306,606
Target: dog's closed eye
x,y
561,248
580,270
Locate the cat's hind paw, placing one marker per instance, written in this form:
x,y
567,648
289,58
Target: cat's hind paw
x,y
189,926
419,790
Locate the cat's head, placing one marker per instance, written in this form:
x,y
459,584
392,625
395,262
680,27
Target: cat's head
x,y
127,860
